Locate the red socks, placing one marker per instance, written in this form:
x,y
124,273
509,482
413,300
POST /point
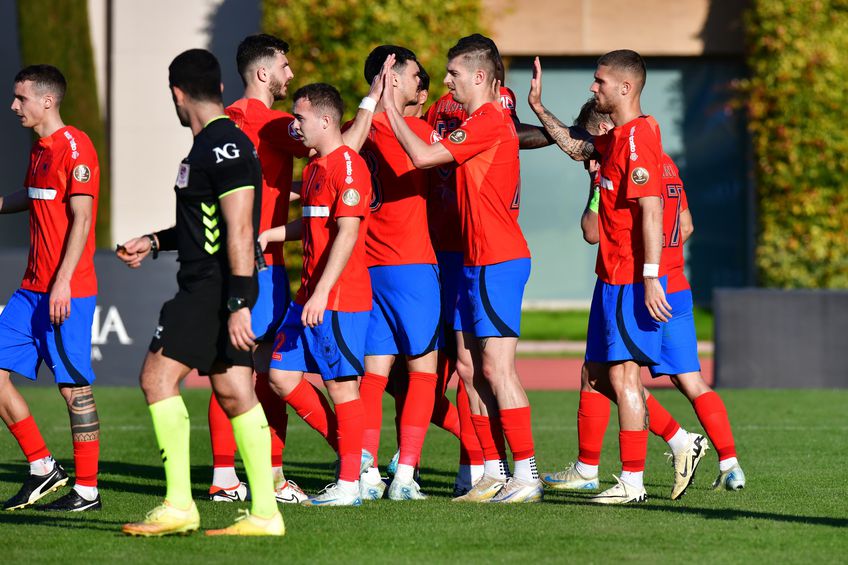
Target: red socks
x,y
221,435
275,411
417,409
29,438
660,421
445,415
351,422
713,416
311,405
470,452
518,430
86,456
371,389
490,434
593,416
633,447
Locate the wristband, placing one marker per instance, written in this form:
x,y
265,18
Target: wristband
x,y
595,202
650,270
154,246
368,104
245,288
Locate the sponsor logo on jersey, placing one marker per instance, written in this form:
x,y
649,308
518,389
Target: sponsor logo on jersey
x,y
640,175
82,173
182,175
351,197
227,151
71,140
458,136
348,164
348,180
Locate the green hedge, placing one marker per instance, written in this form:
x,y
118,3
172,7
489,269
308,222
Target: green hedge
x,y
798,106
57,33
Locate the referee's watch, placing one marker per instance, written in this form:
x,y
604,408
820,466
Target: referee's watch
x,y
235,304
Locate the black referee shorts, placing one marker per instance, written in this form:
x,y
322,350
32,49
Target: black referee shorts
x,y
193,325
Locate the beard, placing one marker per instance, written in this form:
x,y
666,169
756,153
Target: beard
x,y
277,89
607,108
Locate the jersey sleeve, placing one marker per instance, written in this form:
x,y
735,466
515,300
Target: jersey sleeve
x,y
473,137
353,187
684,202
601,142
83,169
280,133
643,173
233,167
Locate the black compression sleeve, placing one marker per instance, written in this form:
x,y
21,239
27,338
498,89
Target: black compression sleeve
x,y
167,239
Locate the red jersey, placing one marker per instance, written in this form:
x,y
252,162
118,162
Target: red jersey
x,y
272,133
485,148
630,169
61,165
445,116
397,228
674,202
335,186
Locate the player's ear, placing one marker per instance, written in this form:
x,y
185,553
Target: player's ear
x,y
626,87
222,87
47,101
479,76
262,74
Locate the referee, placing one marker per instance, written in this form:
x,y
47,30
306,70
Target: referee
x,y
206,326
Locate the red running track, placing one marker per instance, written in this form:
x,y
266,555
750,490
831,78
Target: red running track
x,y
536,374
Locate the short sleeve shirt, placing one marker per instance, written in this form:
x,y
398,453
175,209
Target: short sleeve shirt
x,y
335,186
272,133
445,116
222,161
61,165
674,203
631,158
397,227
485,148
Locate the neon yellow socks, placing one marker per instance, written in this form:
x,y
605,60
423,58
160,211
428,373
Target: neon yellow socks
x,y
171,424
254,444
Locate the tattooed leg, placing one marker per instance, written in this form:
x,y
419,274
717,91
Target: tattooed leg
x,y
85,424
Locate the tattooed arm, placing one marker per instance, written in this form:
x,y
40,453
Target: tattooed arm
x,y
574,141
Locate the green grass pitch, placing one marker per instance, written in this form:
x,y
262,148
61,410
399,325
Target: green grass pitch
x,y
792,445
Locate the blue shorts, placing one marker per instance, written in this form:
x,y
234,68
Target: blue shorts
x,y
335,349
490,303
27,338
270,308
679,353
620,326
406,312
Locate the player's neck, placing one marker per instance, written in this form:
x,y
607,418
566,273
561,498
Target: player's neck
x,y
259,93
330,143
477,100
203,113
49,125
626,114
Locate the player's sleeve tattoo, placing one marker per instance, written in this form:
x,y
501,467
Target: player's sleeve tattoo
x,y
575,142
85,424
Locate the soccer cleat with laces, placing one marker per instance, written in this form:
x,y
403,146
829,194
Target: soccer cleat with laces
x,y
334,495
290,493
165,520
732,479
484,490
686,463
371,490
570,479
249,525
520,490
400,490
71,502
36,487
620,493
238,493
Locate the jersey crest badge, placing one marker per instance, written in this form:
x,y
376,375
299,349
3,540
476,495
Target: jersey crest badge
x,y
458,136
82,173
640,175
182,175
351,197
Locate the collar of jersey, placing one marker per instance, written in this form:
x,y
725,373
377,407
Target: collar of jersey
x,y
221,117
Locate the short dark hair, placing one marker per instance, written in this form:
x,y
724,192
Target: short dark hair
x,y
377,56
423,78
197,73
254,48
628,61
481,52
322,96
45,78
589,118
